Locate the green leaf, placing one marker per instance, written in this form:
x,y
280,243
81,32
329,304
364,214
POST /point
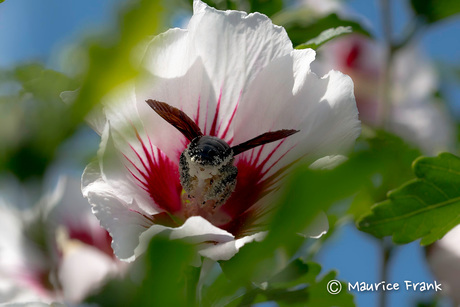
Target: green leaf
x,y
166,269
266,7
297,285
393,158
303,25
295,270
427,207
321,297
435,10
324,37
307,193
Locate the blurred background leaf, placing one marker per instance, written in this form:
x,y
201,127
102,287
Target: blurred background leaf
x,y
34,119
114,62
324,37
165,268
298,284
303,25
435,10
262,6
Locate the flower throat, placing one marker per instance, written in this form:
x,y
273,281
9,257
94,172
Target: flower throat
x,y
207,173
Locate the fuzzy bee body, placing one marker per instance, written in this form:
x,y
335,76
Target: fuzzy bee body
x,y
207,173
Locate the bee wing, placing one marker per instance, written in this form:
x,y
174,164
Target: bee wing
x,y
262,139
177,118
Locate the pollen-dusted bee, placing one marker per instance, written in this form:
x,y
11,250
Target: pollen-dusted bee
x,y
207,173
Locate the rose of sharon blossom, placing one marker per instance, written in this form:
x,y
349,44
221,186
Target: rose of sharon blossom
x,y
233,77
55,252
414,113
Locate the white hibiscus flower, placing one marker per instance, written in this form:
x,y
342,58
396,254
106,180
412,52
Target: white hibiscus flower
x,y
414,114
174,157
54,252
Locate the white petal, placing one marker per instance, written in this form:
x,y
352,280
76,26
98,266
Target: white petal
x,y
332,125
192,93
11,236
127,152
209,51
114,171
82,271
220,36
225,251
168,55
292,97
124,224
126,128
195,230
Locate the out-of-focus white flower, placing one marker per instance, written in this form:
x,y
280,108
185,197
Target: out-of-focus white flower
x,y
232,76
444,260
323,7
22,263
414,114
56,251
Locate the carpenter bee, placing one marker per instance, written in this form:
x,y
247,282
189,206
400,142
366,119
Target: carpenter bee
x,y
207,173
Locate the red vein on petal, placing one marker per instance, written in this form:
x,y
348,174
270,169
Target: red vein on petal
x,y
251,157
161,176
206,118
164,184
276,162
197,117
224,134
270,154
140,159
213,131
137,169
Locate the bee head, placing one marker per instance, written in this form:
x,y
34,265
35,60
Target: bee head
x,y
209,150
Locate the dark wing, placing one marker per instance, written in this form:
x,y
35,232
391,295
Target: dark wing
x,y
177,118
262,139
